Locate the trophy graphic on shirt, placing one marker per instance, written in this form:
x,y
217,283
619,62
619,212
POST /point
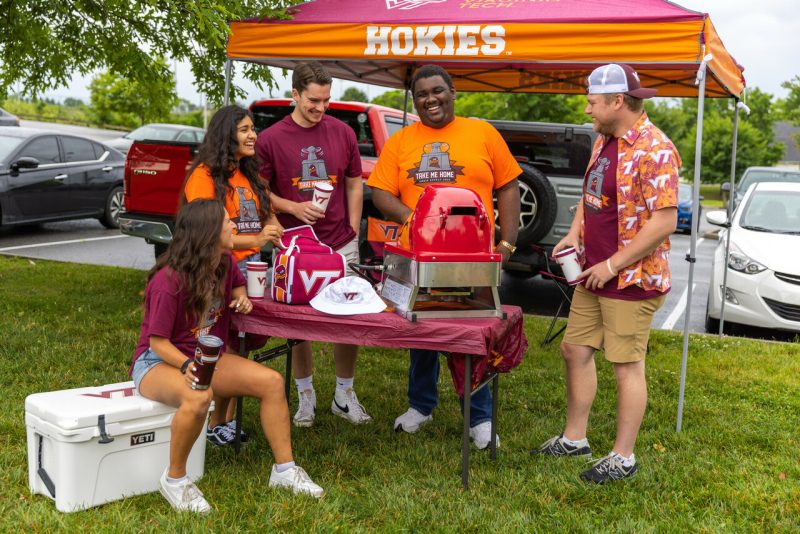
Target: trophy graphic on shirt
x,y
435,157
248,211
313,165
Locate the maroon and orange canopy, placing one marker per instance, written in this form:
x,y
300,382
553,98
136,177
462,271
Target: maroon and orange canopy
x,y
543,46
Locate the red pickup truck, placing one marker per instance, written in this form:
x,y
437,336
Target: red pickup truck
x,y
155,170
553,158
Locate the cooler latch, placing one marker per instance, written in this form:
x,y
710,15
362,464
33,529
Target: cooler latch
x,y
101,424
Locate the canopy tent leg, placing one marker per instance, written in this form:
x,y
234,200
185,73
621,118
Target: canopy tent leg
x,y
406,89
228,70
730,212
698,148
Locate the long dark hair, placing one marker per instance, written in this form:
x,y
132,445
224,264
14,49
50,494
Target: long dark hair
x,y
194,254
218,153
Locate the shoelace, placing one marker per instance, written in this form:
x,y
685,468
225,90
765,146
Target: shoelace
x,y
608,464
226,432
191,493
306,403
352,398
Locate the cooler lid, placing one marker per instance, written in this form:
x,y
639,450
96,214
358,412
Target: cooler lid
x,y
79,408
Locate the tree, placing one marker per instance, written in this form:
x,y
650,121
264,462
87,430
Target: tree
x,y
394,99
71,102
43,43
118,99
522,107
354,94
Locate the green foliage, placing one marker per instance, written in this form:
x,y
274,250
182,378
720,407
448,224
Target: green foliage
x,y
37,110
44,43
116,99
354,94
394,99
733,468
522,107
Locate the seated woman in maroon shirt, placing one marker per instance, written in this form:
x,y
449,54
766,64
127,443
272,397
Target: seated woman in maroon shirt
x,y
191,291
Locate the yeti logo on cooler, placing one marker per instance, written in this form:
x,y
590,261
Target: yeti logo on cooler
x,y
141,439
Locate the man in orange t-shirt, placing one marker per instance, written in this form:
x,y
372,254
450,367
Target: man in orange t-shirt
x,y
445,149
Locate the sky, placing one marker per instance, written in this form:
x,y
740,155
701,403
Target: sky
x,y
763,36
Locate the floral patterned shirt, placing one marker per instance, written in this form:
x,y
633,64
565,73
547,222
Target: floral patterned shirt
x,y
647,180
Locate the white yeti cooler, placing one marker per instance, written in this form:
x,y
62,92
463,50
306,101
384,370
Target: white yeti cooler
x,y
89,446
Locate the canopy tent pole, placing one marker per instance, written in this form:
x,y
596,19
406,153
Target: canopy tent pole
x,y
729,219
406,88
690,257
228,68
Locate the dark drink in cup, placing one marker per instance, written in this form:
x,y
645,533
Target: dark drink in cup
x,y
205,359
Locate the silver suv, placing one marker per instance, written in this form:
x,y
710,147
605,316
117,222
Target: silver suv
x,y
553,158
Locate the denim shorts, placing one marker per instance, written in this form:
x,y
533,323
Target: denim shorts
x,y
146,361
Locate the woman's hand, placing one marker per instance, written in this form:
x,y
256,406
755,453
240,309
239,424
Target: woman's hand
x,y
272,233
189,376
241,304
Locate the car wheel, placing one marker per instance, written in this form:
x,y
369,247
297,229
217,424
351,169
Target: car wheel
x,y
712,325
115,204
538,206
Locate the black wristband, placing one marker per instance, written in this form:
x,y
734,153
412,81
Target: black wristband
x,y
186,365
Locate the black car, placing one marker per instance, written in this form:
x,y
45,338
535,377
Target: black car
x,y
45,176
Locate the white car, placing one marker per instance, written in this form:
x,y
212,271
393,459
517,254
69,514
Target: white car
x,y
763,287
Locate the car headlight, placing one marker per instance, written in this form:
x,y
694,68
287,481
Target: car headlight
x,y
739,261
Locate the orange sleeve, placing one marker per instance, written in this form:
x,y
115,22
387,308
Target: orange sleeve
x,y
504,166
200,185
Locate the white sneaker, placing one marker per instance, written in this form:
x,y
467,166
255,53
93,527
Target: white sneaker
x,y
411,421
297,480
481,435
184,496
307,410
345,404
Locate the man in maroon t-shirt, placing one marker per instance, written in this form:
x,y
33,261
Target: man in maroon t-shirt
x,y
306,148
627,212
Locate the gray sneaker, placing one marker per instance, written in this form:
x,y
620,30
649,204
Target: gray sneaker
x,y
609,468
556,446
295,479
184,496
307,410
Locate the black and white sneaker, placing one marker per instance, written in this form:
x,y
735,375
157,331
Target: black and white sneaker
x,y
556,446
243,436
608,468
221,435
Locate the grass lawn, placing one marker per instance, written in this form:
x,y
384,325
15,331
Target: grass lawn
x,y
734,468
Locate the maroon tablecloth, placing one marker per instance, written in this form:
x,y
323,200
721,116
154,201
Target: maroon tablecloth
x,y
465,336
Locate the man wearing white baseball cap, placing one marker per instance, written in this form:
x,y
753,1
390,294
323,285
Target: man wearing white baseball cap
x,y
627,212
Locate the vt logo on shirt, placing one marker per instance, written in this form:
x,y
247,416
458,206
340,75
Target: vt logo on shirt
x,y
313,169
435,165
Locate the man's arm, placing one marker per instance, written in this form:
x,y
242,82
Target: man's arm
x,y
355,200
573,237
303,211
660,225
508,215
391,206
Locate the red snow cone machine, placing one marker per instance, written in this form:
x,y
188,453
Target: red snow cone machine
x,y
444,265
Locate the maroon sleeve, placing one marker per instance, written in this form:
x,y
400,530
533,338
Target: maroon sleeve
x,y
237,278
354,165
265,168
164,309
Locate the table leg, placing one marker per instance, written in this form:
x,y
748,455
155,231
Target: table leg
x,y
237,438
465,435
288,380
493,443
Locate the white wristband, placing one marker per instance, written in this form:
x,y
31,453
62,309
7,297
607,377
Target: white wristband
x,y
610,269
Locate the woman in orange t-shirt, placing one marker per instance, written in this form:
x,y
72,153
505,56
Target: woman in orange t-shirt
x,y
226,169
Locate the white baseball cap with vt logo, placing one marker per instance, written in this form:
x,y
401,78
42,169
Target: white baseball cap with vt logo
x,y
350,295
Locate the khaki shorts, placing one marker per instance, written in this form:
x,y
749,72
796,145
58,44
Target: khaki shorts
x,y
350,252
619,327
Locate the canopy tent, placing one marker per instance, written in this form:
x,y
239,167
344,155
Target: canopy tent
x,y
496,45
507,46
